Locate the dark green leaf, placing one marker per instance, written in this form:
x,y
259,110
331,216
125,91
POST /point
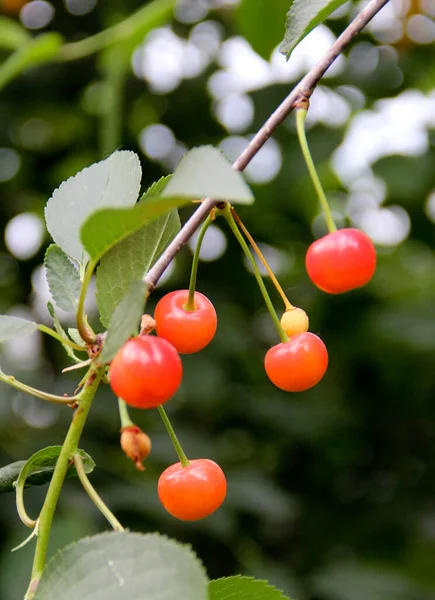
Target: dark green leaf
x,y
63,278
112,182
125,320
243,588
128,565
130,259
106,228
205,172
14,327
262,24
12,34
302,17
38,469
37,50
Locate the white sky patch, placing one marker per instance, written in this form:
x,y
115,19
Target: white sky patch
x,y
395,126
386,226
213,245
24,235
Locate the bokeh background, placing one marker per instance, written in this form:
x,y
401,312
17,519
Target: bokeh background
x,y
332,491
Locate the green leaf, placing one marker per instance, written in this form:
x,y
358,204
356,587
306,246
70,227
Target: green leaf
x,y
130,259
127,565
125,320
205,172
243,588
63,278
37,50
12,34
38,469
262,24
112,182
14,327
106,228
302,17
75,336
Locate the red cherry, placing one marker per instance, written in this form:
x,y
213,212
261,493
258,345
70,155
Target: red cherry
x,y
341,261
193,492
188,330
146,371
298,364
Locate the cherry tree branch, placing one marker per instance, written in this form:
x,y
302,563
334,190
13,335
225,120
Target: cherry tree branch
x,y
301,92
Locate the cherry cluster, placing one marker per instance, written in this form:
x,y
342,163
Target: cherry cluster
x,y
147,370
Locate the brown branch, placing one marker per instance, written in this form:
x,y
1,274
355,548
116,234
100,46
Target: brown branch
x,y
303,90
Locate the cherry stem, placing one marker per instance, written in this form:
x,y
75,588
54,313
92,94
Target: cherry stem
x,y
93,494
123,414
190,304
27,389
178,449
301,113
288,305
83,327
233,226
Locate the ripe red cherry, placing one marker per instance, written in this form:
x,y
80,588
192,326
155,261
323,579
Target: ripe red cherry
x,y
188,331
298,364
341,261
146,371
193,492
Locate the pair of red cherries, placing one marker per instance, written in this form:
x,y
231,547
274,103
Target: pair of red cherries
x,y
147,371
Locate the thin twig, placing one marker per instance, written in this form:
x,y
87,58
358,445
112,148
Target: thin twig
x,y
303,90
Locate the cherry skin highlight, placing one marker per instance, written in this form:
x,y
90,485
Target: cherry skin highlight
x,y
188,331
298,364
146,371
341,261
193,492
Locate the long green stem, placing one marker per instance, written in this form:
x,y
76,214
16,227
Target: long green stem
x,y
69,448
93,494
27,389
60,338
190,304
178,449
131,30
288,305
123,414
301,113
233,225
85,331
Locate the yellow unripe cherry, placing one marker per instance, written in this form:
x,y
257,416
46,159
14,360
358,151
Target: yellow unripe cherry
x,y
294,320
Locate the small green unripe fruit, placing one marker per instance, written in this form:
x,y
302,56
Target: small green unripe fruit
x,y
294,320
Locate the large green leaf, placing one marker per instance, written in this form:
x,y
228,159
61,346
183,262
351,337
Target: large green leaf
x,y
14,327
37,50
38,469
113,182
243,588
130,259
106,228
205,172
302,17
63,278
262,24
12,34
125,320
127,565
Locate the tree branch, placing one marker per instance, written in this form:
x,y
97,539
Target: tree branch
x,y
302,91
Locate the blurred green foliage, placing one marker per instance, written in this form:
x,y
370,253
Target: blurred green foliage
x,y
331,492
